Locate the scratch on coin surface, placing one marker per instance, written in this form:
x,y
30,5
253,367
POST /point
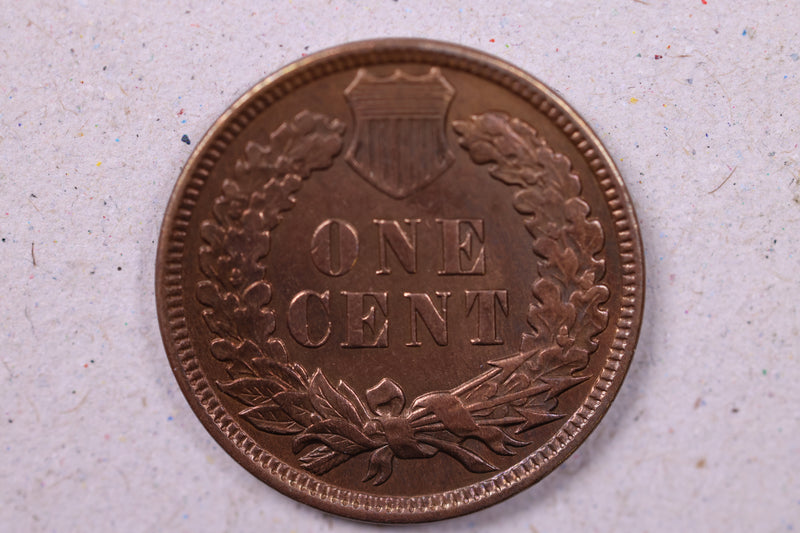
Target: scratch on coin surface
x,y
33,255
10,372
78,406
28,316
124,478
35,410
718,187
33,205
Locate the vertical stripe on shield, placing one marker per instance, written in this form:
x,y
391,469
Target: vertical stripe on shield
x,y
401,154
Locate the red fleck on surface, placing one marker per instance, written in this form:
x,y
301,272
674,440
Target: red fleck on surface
x,y
180,112
705,3
658,56
491,40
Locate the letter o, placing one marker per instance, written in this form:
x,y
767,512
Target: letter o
x,y
334,247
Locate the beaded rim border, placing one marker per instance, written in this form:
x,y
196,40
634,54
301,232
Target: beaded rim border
x,y
299,484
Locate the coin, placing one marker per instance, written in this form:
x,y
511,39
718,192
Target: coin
x,y
400,280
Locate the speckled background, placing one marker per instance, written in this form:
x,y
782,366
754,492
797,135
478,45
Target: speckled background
x,y
698,102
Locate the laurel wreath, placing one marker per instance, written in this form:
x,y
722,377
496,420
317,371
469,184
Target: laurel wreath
x,y
330,424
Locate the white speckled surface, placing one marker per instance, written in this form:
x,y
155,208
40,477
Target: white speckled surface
x,y
94,101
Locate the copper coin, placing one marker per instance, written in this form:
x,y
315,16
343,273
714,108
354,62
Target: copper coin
x,y
400,280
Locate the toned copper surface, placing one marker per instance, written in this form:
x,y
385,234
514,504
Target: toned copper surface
x,y
400,280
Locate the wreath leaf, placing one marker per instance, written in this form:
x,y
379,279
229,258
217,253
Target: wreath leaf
x,y
471,460
338,434
322,459
329,402
297,406
253,391
263,417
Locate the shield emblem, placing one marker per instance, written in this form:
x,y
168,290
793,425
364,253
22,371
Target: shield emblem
x,y
399,143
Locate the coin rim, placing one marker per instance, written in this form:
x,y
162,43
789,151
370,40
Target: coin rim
x,y
297,483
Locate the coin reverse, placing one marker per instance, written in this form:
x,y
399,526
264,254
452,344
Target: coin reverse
x,y
400,280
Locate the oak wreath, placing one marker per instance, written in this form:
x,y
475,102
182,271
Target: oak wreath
x,y
330,424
